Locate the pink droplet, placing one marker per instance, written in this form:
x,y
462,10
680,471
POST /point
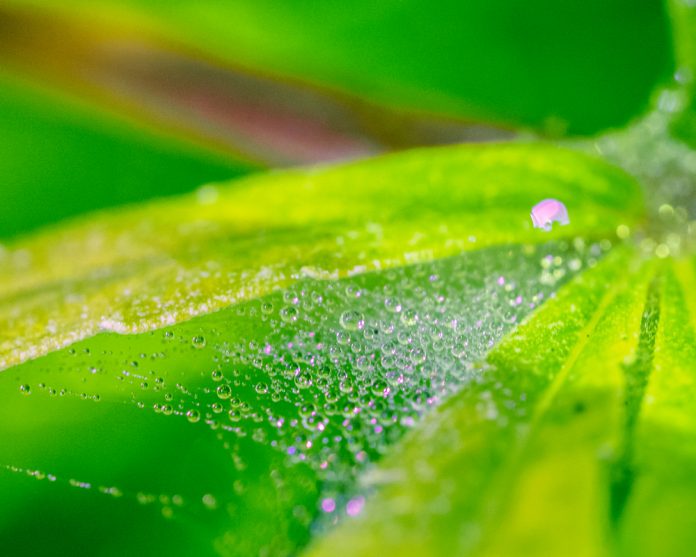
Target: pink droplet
x,y
548,211
354,506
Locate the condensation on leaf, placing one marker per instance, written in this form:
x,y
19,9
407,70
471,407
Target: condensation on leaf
x,y
137,269
306,404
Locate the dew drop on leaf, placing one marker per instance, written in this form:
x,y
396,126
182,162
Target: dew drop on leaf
x,y
198,341
548,211
289,314
224,392
352,320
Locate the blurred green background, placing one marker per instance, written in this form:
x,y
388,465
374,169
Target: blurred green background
x,y
97,106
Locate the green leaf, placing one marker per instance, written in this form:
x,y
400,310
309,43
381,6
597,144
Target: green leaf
x,y
657,518
234,432
528,64
60,159
227,108
556,448
684,103
679,101
131,430
161,263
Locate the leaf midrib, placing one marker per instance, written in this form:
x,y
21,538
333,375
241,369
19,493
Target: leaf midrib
x,y
500,485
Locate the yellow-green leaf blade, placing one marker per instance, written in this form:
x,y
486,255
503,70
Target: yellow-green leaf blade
x,y
272,414
659,515
164,262
520,462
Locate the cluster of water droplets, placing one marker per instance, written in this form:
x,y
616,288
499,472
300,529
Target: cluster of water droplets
x,y
326,375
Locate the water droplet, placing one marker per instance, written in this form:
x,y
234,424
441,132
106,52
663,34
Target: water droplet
x,y
623,231
343,338
224,392
352,320
548,211
328,505
234,415
198,341
193,416
418,356
209,501
354,506
289,314
303,380
409,317
261,388
392,305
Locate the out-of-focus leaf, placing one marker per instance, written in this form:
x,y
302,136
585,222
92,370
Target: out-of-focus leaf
x,y
684,101
161,263
176,88
527,63
58,159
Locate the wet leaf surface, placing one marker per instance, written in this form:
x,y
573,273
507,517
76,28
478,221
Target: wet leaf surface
x,y
348,308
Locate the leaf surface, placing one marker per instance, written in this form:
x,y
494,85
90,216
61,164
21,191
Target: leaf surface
x,y
231,432
161,263
352,300
532,458
657,519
